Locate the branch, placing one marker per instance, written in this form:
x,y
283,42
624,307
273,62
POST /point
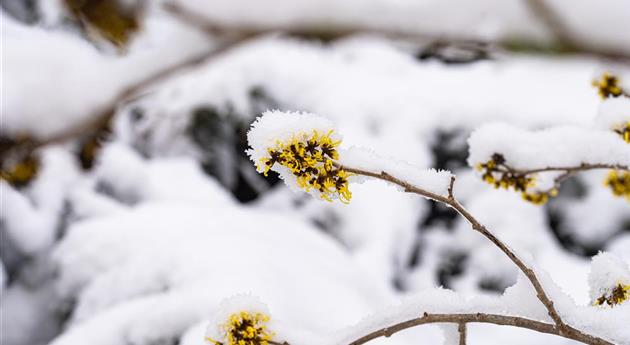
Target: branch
x,y
567,172
463,319
559,326
461,328
102,116
570,169
553,22
328,32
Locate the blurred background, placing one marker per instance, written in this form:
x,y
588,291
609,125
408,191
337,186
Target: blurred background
x,y
129,209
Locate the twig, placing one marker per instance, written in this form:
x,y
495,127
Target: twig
x,y
462,319
461,328
103,115
553,22
569,169
559,326
329,32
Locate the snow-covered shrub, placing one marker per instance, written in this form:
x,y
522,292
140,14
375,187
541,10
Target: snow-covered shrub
x,y
127,217
290,144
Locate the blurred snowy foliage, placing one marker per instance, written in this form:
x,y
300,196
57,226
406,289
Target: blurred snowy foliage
x,y
137,238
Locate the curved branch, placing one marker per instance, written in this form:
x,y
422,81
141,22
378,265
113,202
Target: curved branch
x,y
463,319
560,327
570,169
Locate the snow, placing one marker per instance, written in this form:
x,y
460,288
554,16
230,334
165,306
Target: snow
x,y
483,19
613,113
216,251
143,248
430,180
551,147
276,126
82,80
607,271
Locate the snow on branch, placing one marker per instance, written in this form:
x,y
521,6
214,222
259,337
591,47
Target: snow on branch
x,y
549,149
536,163
304,149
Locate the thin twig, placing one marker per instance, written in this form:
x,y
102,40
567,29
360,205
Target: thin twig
x,y
560,327
461,328
460,319
571,169
550,18
103,115
329,32
566,172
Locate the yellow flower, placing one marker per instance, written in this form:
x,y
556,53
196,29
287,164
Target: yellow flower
x,y
310,158
619,182
22,172
538,198
245,328
624,132
496,173
617,295
608,86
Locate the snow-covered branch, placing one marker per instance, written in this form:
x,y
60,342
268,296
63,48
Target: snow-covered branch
x,y
303,149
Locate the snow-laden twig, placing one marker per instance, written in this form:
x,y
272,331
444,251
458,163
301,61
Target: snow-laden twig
x,y
559,327
463,319
101,116
302,148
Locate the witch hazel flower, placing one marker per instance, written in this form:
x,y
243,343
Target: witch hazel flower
x,y
609,280
240,320
303,149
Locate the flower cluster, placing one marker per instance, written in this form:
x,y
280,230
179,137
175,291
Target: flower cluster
x,y
539,197
498,174
608,86
617,295
20,173
245,328
623,131
619,183
310,158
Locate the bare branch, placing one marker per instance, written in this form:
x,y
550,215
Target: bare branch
x,y
553,22
461,328
560,327
103,115
329,32
462,319
571,169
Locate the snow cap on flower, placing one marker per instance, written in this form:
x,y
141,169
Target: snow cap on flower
x,y
609,280
614,115
302,148
240,320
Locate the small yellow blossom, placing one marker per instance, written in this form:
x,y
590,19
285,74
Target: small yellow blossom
x,y
245,328
624,132
617,295
619,182
310,158
608,86
539,198
500,176
22,172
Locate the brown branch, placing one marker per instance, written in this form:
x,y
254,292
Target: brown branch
x,y
550,18
560,327
461,328
328,32
102,115
462,319
570,169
